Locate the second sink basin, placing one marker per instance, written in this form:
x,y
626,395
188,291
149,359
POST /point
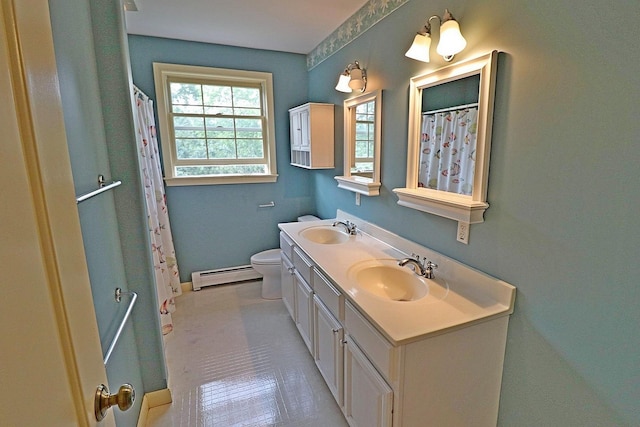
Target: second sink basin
x,y
327,235
387,280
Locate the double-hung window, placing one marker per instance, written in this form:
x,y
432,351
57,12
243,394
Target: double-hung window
x,y
216,125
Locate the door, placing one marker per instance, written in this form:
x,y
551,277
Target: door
x,y
328,354
304,313
368,400
51,353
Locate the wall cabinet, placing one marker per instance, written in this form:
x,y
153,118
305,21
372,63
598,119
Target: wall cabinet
x,y
312,136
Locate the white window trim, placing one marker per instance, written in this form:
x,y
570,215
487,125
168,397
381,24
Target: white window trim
x,y
162,72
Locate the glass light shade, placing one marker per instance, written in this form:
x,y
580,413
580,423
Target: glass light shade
x,y
451,40
419,50
356,82
343,83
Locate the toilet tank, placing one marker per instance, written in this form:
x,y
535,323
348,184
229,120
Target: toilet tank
x,y
305,218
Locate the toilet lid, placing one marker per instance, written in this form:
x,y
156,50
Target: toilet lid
x,y
271,256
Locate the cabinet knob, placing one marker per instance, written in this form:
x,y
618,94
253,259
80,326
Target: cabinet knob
x,y
335,331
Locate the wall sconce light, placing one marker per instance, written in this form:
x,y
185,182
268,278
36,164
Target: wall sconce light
x,y
451,40
353,78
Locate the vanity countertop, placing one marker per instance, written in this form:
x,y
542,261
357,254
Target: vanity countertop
x,y
458,297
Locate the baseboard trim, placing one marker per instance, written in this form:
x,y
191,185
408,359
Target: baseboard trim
x,y
186,286
151,400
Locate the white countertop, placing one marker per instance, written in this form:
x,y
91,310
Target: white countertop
x,y
458,297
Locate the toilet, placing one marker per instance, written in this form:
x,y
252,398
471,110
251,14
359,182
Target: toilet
x,y
267,263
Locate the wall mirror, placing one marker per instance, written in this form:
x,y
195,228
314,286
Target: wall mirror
x,y
450,120
362,141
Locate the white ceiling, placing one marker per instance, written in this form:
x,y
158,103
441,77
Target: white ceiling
x,y
295,26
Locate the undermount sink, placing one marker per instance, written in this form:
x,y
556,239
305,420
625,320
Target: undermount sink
x,y
387,280
326,235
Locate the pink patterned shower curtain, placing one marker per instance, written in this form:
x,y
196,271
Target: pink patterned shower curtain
x,y
167,277
448,150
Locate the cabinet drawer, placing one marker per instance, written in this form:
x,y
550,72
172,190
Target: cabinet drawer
x,y
304,265
379,351
286,245
329,295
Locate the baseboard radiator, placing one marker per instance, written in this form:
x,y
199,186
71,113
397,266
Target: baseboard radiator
x,y
221,276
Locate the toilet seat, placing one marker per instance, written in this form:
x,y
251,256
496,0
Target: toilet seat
x,y
268,257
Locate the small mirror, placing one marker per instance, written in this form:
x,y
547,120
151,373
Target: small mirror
x,y
450,118
362,123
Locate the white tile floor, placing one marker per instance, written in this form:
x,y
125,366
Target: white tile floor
x,y
235,359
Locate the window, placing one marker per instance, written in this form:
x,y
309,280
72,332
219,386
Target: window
x,y
216,125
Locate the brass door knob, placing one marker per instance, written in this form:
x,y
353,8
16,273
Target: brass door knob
x,y
124,399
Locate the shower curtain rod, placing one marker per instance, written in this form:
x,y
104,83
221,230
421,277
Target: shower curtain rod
x,y
442,110
138,92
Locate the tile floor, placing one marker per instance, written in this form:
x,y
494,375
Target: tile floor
x,y
235,359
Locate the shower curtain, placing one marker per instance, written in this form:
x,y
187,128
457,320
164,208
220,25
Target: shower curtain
x,y
167,278
448,150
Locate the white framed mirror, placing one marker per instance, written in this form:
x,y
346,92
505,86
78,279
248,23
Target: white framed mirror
x,y
450,121
362,142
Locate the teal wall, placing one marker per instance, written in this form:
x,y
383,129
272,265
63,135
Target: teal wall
x,y
564,191
564,188
92,60
221,225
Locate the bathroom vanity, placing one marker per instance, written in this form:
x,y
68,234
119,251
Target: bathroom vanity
x,y
396,349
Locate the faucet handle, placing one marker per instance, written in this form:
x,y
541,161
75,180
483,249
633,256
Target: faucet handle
x,y
428,269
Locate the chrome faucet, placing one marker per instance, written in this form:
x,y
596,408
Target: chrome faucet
x,y
348,225
422,268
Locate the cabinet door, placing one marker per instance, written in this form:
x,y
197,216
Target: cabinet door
x,y
295,129
287,284
304,312
328,351
368,400
305,131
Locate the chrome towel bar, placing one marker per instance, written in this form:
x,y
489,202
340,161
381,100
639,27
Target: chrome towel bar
x,y
134,297
102,187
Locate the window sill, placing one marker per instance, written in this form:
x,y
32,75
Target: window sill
x,y
217,180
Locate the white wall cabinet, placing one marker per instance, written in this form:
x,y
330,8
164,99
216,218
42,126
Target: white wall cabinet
x,y
312,136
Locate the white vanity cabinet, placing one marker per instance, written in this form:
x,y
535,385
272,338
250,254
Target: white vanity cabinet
x,y
434,361
312,135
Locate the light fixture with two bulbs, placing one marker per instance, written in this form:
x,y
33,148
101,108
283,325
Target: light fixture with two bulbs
x,y
353,78
451,40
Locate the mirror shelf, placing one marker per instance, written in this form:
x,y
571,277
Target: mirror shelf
x,y
362,144
465,205
359,184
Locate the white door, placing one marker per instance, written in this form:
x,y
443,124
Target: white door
x,y
50,353
368,400
328,354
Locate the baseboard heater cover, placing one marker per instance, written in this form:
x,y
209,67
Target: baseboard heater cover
x,y
221,276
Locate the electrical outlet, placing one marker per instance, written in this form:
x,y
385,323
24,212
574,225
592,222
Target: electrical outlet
x,y
463,232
